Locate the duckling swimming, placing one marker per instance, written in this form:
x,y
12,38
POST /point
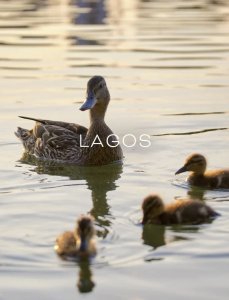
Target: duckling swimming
x,y
182,211
73,143
196,163
80,242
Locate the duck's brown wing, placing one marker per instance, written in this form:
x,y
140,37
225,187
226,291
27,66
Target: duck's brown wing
x,y
57,143
62,141
76,128
46,132
53,139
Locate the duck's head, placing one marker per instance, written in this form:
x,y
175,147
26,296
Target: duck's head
x,y
85,232
194,163
152,207
97,94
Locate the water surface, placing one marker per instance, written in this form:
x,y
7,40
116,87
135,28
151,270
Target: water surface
x,y
166,64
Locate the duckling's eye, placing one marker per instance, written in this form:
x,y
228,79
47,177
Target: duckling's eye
x,y
198,161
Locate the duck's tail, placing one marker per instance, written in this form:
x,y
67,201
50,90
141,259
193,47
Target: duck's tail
x,y
27,139
33,119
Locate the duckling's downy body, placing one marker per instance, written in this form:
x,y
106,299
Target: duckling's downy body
x,y
73,143
196,163
182,211
78,243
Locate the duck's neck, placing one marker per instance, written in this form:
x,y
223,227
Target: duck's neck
x,y
97,113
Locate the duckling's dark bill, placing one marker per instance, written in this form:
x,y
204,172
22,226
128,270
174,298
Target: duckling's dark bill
x,y
181,170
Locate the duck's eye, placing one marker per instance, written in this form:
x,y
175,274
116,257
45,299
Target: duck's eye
x,y
98,87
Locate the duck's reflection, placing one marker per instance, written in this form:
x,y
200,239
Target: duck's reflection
x,y
92,11
100,180
85,282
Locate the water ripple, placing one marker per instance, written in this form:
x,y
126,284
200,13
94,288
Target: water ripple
x,y
191,132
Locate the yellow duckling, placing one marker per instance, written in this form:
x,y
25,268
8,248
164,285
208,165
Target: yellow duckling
x,y
78,243
196,163
182,211
73,143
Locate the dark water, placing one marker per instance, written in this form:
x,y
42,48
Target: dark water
x,y
166,64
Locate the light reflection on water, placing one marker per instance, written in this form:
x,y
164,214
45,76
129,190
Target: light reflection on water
x,y
166,64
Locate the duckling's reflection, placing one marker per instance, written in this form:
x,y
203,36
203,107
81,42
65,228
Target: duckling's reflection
x,y
155,235
85,282
100,180
196,193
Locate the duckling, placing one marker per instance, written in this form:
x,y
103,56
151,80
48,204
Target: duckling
x,y
80,242
197,163
73,143
182,211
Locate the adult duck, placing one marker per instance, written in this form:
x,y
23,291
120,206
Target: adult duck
x,y
197,164
73,143
182,211
78,243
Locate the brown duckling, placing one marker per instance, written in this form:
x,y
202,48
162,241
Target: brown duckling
x,y
197,163
182,211
80,242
